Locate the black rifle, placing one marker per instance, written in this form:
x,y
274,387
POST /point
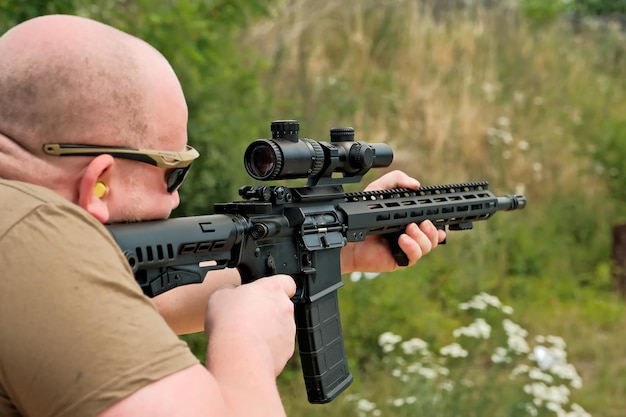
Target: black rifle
x,y
300,232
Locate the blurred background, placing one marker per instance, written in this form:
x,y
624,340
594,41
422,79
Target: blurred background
x,y
528,95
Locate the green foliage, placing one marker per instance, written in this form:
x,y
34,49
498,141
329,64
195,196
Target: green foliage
x,y
15,11
198,344
549,10
599,7
544,11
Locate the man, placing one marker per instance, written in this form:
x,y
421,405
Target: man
x,y
77,336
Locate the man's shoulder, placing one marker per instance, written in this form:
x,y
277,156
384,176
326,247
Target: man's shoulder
x,y
12,192
19,200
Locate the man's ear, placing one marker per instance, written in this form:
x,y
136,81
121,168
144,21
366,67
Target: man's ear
x,y
93,188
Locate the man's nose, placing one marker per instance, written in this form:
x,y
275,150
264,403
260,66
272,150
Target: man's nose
x,y
175,199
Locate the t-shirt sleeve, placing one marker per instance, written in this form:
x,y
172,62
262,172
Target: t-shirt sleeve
x,y
77,333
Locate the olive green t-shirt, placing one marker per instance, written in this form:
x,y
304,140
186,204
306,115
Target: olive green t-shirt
x,y
76,332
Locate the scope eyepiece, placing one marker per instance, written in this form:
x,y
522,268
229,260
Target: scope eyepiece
x,y
285,156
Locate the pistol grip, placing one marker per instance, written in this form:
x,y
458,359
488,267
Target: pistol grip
x,y
322,352
398,254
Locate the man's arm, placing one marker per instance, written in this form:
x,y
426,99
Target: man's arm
x,y
248,349
183,307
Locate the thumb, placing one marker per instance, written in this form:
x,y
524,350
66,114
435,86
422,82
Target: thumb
x,y
287,283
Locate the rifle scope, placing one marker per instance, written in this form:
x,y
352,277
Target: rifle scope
x,y
285,156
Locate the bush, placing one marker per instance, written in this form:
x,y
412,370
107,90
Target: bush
x,y
492,368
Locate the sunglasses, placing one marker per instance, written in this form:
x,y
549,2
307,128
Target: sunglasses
x,y
176,163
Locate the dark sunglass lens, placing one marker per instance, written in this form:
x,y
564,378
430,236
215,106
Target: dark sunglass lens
x,y
176,178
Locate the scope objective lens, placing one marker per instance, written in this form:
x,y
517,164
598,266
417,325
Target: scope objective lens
x,y
261,161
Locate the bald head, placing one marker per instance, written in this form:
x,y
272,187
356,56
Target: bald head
x,y
71,79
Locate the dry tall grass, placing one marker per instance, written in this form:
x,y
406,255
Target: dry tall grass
x,y
478,94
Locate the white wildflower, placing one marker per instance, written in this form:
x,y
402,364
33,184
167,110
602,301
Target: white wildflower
x,y
518,344
364,407
490,90
357,276
555,407
388,341
519,370
478,329
538,375
489,299
500,356
578,411
414,367
427,373
507,137
454,350
543,393
544,356
556,341
447,386
554,360
532,410
567,371
400,361
504,121
482,301
424,371
512,328
398,402
523,145
443,370
413,346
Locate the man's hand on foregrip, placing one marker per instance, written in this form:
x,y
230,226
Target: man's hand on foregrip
x,y
376,253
